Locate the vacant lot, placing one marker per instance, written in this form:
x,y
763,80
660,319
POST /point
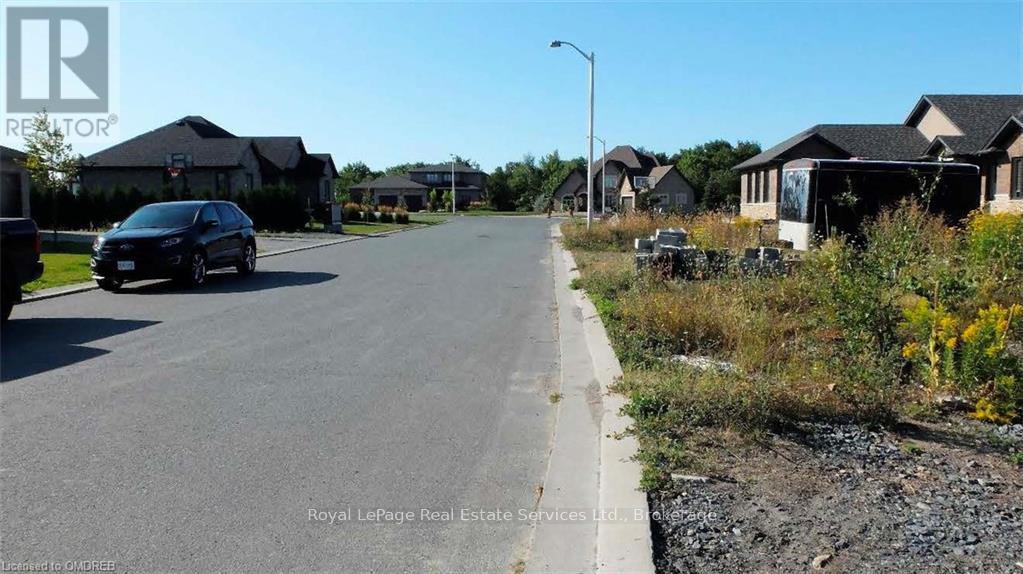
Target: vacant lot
x,y
918,323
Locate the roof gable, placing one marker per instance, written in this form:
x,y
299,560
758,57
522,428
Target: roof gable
x,y
629,157
284,152
388,182
978,116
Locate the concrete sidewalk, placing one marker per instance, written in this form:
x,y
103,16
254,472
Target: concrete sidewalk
x,y
591,466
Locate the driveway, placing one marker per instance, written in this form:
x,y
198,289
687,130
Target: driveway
x,y
174,430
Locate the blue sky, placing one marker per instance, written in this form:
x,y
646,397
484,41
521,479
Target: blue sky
x,y
392,83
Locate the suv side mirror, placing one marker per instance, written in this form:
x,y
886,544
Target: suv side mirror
x,y
116,224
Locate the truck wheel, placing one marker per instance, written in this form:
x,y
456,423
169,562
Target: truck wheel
x,y
7,303
7,297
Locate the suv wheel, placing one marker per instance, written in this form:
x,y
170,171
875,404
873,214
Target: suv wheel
x,y
197,269
110,283
248,263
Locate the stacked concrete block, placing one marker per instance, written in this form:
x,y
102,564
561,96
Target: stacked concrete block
x,y
762,261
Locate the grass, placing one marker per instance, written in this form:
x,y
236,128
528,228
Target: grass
x,y
65,263
367,228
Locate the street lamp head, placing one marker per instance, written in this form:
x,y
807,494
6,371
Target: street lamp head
x,y
556,44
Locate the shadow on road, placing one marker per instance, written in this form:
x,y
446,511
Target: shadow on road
x,y
32,346
231,282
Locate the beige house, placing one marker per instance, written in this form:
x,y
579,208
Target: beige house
x,y
622,174
980,129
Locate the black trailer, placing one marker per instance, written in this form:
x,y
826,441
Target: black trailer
x,y
824,197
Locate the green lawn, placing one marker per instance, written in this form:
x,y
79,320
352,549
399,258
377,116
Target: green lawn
x,y
66,263
366,228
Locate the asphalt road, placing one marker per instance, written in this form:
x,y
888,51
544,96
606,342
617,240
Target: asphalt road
x,y
173,430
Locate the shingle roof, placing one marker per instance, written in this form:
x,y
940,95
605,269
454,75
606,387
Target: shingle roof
x,y
284,152
327,159
446,168
629,157
204,140
389,182
977,116
871,141
9,152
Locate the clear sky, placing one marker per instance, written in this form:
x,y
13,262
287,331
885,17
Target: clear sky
x,y
393,83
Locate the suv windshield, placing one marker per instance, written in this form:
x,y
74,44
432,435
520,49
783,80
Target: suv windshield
x,y
164,216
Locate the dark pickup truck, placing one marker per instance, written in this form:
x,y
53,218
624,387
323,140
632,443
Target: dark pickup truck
x,y
20,246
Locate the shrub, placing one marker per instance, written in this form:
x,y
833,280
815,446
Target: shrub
x,y
275,208
386,214
479,206
368,214
352,212
994,240
401,216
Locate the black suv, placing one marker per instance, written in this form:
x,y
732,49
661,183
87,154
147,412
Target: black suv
x,y
178,239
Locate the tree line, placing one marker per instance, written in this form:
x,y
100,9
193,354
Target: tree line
x,y
528,184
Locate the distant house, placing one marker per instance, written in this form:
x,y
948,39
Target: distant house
x,y
14,184
412,189
628,172
391,190
216,161
470,183
978,129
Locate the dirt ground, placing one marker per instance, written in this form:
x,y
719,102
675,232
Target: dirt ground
x,y
925,497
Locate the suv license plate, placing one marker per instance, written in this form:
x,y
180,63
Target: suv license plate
x,y
125,265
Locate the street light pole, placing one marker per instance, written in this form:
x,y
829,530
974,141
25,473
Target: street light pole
x,y
603,174
453,208
589,164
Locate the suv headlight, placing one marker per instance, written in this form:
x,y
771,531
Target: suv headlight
x,y
97,243
170,241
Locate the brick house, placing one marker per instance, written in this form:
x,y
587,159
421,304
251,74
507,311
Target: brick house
x,y
978,129
760,175
983,131
219,162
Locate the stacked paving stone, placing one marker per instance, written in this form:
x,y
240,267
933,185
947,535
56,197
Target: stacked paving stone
x,y
762,261
668,253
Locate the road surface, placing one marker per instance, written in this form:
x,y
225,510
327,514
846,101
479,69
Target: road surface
x,y
162,429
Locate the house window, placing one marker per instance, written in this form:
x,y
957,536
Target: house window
x,y
249,181
641,182
756,187
1016,187
663,201
432,178
749,187
447,178
610,181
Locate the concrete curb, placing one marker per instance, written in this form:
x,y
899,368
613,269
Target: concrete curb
x,y
90,286
622,546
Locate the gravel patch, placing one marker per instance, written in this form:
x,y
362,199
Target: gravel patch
x,y
843,498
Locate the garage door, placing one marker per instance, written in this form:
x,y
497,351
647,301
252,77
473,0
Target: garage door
x,y
414,202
